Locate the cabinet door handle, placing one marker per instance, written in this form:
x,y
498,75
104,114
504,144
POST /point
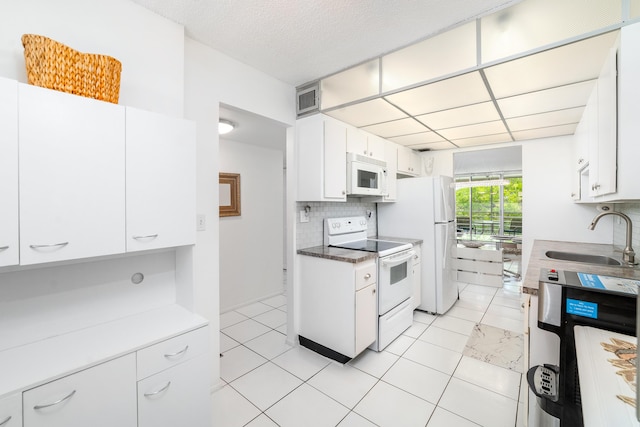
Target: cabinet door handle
x,y
373,291
148,236
367,276
49,246
57,402
177,353
3,248
153,393
6,420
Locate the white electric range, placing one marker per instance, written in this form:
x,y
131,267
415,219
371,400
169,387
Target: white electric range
x,y
394,281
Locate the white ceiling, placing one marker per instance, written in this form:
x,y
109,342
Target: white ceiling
x,y
297,41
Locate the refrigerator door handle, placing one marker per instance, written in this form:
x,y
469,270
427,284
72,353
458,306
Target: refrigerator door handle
x,y
444,248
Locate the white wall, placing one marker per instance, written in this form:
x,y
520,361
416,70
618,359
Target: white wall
x,y
251,256
210,79
150,48
548,213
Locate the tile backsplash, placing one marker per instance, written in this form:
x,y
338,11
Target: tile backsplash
x,y
310,233
632,210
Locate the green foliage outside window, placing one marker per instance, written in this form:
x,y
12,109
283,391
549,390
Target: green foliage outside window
x,y
478,208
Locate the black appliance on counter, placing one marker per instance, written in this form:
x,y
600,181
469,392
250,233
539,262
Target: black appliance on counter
x,y
567,299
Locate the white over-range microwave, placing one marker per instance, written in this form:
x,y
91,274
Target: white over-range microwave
x,y
366,176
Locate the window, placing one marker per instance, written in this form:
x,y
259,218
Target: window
x,y
489,205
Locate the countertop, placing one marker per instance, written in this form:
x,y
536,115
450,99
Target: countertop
x,y
538,261
605,387
350,255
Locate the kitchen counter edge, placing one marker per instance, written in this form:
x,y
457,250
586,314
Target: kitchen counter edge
x,y
539,261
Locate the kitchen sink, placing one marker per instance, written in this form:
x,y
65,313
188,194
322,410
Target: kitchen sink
x,y
587,258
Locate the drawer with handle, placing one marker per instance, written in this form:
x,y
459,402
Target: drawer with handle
x,y
365,274
173,351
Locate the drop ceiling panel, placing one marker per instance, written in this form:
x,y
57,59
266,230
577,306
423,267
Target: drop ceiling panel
x,y
418,138
532,24
552,118
545,132
444,145
471,114
563,65
356,83
368,113
483,140
450,93
559,98
396,127
480,129
430,58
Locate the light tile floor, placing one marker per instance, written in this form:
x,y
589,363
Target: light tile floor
x,y
421,379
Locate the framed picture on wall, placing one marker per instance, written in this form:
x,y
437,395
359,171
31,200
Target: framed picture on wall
x,y
229,190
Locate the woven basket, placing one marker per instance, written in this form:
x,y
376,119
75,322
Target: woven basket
x,y
52,65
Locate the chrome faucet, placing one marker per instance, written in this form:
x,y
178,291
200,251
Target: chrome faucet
x,y
628,255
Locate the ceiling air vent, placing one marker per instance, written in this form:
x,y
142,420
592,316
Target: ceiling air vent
x,y
308,99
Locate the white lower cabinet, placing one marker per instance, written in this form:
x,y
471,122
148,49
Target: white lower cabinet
x,y
338,304
101,396
11,411
177,396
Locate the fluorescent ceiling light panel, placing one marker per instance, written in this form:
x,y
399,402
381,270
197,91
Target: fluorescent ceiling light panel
x,y
545,132
480,129
468,115
350,85
573,95
530,24
483,140
367,113
563,65
430,58
451,93
395,128
418,138
552,118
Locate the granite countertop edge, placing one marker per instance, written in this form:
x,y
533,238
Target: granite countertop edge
x,y
539,261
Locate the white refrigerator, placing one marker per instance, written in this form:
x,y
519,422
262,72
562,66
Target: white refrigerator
x,y
425,209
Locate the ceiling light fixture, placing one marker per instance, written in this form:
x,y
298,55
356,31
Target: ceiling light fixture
x,y
225,126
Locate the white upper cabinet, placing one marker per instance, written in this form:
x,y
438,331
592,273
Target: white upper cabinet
x,y
628,151
161,181
9,251
391,157
321,144
603,145
409,162
71,172
365,144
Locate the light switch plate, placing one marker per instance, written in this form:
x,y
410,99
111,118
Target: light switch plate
x,y
201,222
304,216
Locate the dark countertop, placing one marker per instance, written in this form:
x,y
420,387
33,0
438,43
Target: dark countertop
x,y
338,254
350,255
538,261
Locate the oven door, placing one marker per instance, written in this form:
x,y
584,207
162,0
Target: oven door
x,y
394,280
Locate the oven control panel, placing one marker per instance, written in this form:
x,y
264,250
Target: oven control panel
x,y
346,225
